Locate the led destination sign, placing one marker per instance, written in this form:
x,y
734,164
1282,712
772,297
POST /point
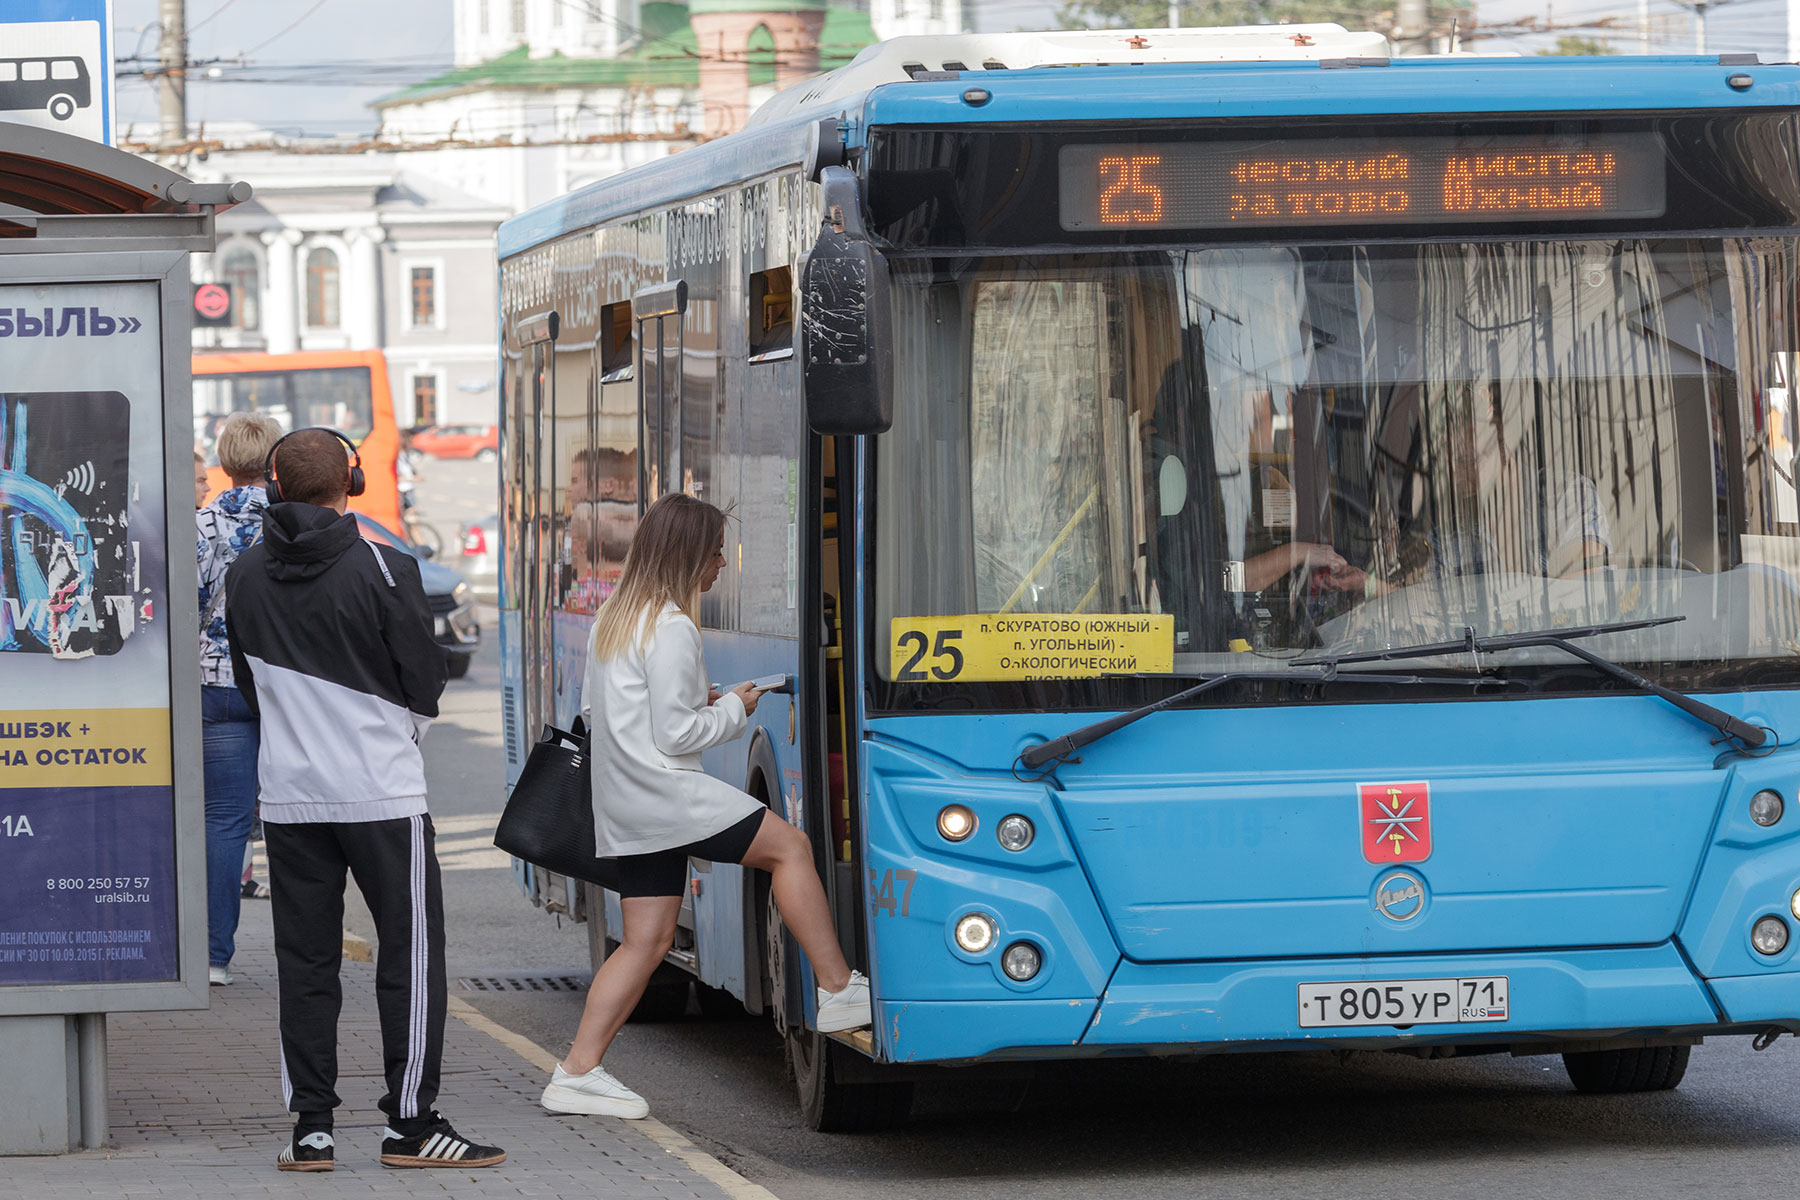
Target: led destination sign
x,y
1387,181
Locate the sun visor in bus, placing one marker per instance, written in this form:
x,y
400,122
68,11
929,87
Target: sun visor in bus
x,y
846,347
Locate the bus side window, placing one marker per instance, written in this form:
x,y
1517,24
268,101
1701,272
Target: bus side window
x,y
64,68
616,348
771,314
9,72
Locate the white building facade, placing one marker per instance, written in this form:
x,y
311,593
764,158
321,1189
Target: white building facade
x,y
549,96
341,252
395,251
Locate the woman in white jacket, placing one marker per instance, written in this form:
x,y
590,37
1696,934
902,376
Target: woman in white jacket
x,y
650,714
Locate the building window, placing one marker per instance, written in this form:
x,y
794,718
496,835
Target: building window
x,y
322,288
556,14
425,399
518,18
481,10
423,298
239,271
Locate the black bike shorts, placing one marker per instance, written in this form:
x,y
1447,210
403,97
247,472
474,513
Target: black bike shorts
x,y
664,872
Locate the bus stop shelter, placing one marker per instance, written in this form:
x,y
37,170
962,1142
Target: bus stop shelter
x,y
102,850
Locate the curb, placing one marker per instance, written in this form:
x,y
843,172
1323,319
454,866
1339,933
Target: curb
x,y
696,1159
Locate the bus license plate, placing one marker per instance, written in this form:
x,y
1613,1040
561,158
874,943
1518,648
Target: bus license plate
x,y
1403,1002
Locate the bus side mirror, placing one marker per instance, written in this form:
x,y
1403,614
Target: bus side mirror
x,y
846,349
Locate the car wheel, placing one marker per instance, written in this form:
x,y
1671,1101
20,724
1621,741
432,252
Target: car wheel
x,y
486,454
459,664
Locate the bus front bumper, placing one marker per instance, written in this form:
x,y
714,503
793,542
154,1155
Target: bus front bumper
x,y
1202,1008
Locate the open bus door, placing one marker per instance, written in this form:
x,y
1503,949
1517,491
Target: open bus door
x,y
529,580
846,370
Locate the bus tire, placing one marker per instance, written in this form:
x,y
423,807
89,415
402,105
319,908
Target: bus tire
x,y
62,107
1640,1069
826,1104
830,1106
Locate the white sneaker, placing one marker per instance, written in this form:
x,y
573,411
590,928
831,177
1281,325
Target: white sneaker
x,y
848,1009
220,977
595,1094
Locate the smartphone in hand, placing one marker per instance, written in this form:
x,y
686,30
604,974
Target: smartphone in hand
x,y
772,683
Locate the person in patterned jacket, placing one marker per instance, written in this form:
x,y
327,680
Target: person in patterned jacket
x,y
226,528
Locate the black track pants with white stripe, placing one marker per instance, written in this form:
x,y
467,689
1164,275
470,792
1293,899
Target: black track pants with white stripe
x,y
395,866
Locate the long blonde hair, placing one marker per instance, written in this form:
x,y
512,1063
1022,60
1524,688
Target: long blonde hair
x,y
668,558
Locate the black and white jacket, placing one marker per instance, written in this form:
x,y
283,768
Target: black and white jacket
x,y
331,645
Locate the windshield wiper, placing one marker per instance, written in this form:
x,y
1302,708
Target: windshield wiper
x,y
1753,736
1068,743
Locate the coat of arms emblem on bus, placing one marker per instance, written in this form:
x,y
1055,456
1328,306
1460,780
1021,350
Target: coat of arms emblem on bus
x,y
1395,819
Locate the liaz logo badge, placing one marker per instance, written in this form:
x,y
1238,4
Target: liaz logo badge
x,y
1395,819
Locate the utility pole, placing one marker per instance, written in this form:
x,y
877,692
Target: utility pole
x,y
1700,27
1174,14
172,80
1643,26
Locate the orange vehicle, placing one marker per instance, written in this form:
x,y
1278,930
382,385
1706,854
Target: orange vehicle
x,y
479,442
345,389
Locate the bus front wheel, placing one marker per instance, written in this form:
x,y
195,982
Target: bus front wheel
x,y
827,1103
62,107
831,1106
1638,1069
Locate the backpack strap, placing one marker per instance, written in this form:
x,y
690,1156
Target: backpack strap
x,y
380,561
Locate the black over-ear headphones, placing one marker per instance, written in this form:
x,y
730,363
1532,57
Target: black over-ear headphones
x,y
357,482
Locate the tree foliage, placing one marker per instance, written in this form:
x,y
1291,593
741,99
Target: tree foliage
x,y
1154,14
1580,47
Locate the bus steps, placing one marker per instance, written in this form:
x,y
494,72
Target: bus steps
x,y
860,1040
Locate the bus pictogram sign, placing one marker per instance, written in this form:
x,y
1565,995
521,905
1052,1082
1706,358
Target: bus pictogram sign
x,y
1395,819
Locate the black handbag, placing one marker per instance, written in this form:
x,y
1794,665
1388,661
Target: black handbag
x,y
549,818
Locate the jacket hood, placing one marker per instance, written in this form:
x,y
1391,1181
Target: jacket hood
x,y
304,539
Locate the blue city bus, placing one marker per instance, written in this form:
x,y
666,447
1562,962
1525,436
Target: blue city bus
x,y
1278,547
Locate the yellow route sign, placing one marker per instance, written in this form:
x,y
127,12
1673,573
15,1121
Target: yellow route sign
x,y
1007,646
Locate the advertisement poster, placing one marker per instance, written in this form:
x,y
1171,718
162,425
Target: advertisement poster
x,y
87,814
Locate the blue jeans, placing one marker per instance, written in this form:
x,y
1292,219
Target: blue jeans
x,y
229,739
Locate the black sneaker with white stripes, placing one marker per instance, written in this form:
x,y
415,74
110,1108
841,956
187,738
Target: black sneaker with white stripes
x,y
310,1153
437,1146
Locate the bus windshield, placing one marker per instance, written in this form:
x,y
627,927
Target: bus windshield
x,y
340,397
1290,450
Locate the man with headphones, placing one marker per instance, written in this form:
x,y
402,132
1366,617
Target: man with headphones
x,y
331,643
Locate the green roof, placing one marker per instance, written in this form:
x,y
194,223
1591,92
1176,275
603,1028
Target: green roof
x,y
667,56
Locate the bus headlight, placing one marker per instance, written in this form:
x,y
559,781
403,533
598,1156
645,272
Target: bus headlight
x,y
975,932
1014,832
1769,935
1766,807
1021,961
1794,905
956,823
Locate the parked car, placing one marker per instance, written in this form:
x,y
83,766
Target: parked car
x,y
479,442
481,558
452,600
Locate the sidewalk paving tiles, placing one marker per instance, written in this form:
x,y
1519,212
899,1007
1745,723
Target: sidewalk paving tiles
x,y
196,1112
